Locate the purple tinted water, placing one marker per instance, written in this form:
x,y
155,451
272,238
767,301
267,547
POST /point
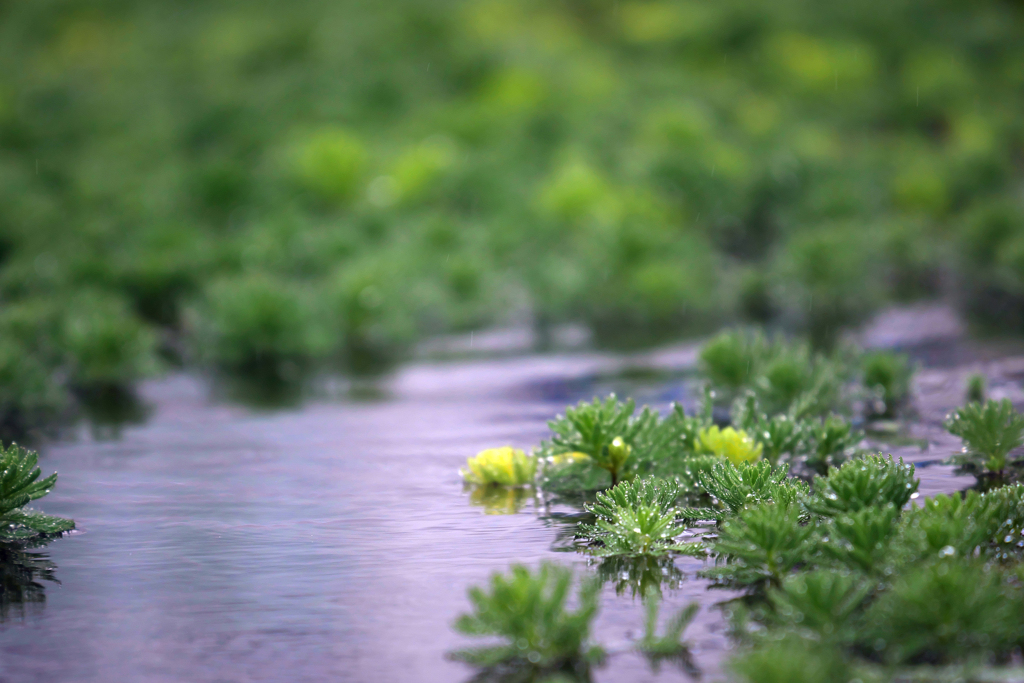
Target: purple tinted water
x,y
330,542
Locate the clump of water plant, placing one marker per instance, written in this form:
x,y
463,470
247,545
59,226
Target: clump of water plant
x,y
19,485
737,487
828,442
669,645
886,376
762,545
505,466
528,610
871,481
977,388
635,518
606,431
990,431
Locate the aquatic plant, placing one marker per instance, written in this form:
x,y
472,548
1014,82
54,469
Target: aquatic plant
x,y
260,325
670,644
792,659
20,485
107,347
603,430
738,487
528,611
871,481
735,446
861,539
505,466
635,518
732,360
990,431
828,443
824,602
887,375
781,436
977,388
945,611
762,544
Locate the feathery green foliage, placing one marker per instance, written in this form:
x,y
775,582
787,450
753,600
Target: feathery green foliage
x,y
670,644
635,518
780,435
19,485
887,376
861,539
990,431
824,602
977,388
791,660
606,431
828,443
746,485
871,481
946,611
528,610
733,359
762,544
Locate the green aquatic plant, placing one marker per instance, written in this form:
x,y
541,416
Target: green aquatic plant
x,y
977,388
871,481
945,611
260,325
965,525
635,518
604,430
20,485
528,611
792,659
735,446
732,360
670,644
780,436
829,443
738,487
887,376
990,431
824,602
762,544
107,347
505,466
861,539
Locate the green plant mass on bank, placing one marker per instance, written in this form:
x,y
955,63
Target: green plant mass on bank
x,y
269,187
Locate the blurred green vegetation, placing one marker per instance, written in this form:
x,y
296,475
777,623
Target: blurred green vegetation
x,y
264,186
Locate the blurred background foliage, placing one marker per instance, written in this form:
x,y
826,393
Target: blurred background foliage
x,y
264,186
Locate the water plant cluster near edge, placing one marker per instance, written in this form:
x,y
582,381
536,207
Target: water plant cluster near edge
x,y
841,576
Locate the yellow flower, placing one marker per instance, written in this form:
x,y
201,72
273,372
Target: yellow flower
x,y
505,466
729,443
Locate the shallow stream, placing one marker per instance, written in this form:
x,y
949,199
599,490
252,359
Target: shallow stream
x,y
333,541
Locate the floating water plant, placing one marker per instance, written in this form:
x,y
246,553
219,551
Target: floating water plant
x,y
977,388
762,544
990,431
19,485
505,466
603,430
635,518
871,481
735,446
528,611
670,644
737,488
829,443
887,376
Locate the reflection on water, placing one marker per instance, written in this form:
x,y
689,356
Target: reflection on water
x,y
110,410
499,500
21,571
639,576
577,672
